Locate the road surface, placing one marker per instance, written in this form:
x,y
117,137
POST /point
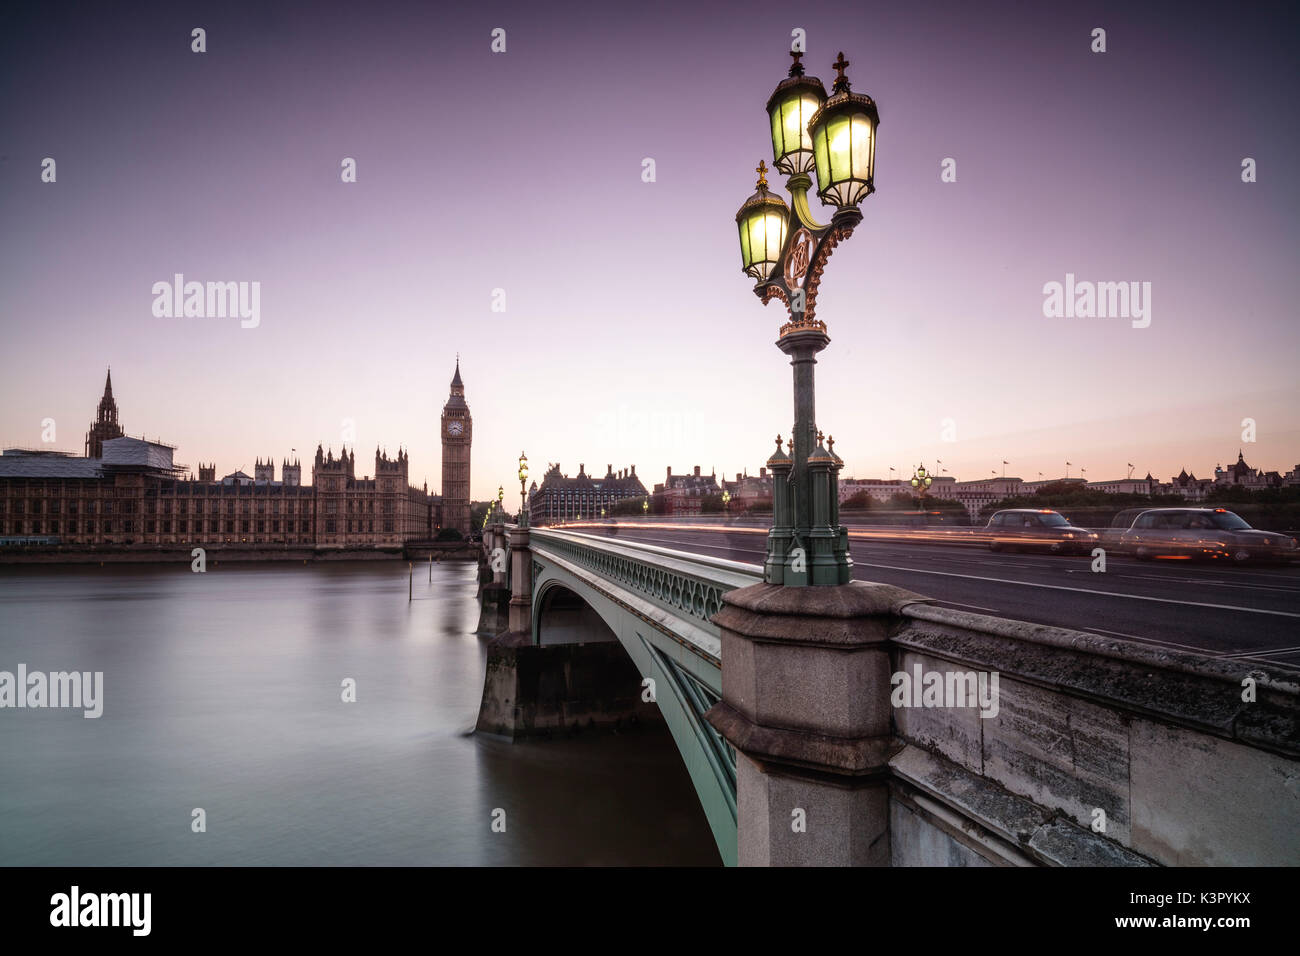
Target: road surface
x,y
1251,613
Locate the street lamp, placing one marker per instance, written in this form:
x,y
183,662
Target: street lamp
x,y
921,482
523,477
844,143
645,506
785,250
790,107
762,223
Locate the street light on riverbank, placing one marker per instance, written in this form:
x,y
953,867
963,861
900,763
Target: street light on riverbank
x,y
785,250
523,501
921,482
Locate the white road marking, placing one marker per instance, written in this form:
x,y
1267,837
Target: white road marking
x,y
1267,650
977,607
1200,649
1061,587
1196,581
1260,658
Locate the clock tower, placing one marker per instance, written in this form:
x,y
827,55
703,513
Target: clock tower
x,y
457,432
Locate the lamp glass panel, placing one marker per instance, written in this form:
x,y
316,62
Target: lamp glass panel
x,y
863,147
775,236
790,138
746,255
838,132
821,157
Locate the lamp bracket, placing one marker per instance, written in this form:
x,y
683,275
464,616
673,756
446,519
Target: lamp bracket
x,y
797,273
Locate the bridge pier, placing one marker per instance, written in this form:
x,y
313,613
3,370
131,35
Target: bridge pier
x,y
806,705
531,690
494,591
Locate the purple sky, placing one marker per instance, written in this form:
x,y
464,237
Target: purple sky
x,y
630,334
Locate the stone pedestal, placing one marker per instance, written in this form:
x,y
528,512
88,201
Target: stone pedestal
x,y
496,540
805,703
521,582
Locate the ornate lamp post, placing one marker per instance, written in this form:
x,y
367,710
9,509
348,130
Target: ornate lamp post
x,y
785,250
921,482
645,506
523,499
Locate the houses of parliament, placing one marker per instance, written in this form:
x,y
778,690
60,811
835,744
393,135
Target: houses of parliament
x,y
128,492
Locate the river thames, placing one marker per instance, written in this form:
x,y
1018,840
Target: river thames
x,y
223,691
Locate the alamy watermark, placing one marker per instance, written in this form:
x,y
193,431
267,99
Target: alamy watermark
x,y
36,689
946,689
212,300
1098,300
129,910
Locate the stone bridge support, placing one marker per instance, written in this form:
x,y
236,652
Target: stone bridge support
x,y
806,704
535,690
494,588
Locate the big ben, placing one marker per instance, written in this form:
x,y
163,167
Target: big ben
x,y
457,433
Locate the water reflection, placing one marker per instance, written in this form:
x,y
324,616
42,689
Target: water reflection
x,y
223,691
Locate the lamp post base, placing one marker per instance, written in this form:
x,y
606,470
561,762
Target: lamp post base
x,y
806,545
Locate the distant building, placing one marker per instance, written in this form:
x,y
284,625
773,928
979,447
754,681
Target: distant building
x,y
131,493
747,490
457,437
561,498
105,425
1124,486
1034,487
367,512
878,489
978,495
1241,475
684,494
1188,485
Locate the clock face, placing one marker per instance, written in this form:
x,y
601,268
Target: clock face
x,y
455,428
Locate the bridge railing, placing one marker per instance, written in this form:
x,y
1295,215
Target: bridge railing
x,y
687,585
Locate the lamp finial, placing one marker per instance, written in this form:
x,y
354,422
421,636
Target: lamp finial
x,y
841,81
796,68
761,169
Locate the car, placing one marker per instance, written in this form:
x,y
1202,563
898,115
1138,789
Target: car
x,y
1210,533
1124,520
1037,528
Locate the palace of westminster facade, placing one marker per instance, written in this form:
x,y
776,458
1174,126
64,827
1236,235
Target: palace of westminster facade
x,y
127,492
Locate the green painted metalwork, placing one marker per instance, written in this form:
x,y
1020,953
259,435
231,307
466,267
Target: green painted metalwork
x,y
659,604
677,581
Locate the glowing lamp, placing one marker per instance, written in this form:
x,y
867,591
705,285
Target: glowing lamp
x,y
762,223
843,133
790,107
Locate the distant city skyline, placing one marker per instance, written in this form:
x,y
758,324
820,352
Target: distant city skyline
x,y
629,334
937,467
